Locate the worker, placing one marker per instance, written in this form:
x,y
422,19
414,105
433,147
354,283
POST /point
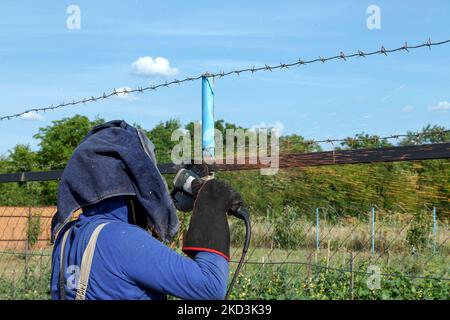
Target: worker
x,y
117,247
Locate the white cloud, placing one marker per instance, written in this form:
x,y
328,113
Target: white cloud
x,y
441,106
31,116
277,126
122,94
408,109
147,67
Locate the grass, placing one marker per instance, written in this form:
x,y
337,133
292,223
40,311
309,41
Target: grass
x,y
25,277
390,235
28,277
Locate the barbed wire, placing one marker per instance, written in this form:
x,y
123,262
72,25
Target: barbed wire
x,y
377,139
221,74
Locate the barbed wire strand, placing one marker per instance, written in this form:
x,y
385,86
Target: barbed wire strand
x,y
221,74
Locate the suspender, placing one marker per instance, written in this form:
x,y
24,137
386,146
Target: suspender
x,y
62,263
86,263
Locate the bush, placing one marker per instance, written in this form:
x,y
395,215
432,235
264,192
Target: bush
x,y
35,285
33,229
288,228
418,235
292,282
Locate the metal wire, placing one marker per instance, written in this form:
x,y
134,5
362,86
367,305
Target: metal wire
x,y
371,260
299,62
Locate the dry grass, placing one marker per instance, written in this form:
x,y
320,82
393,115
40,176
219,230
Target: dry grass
x,y
355,236
14,265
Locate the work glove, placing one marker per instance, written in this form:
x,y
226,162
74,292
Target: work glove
x,y
208,229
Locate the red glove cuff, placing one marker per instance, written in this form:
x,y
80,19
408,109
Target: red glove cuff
x,y
188,249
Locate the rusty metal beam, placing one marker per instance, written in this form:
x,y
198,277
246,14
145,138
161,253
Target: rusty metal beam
x,y
391,154
297,160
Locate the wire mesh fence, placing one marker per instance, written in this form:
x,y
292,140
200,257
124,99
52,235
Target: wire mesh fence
x,y
296,255
306,258
25,252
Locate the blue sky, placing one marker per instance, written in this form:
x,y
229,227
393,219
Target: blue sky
x,y
44,63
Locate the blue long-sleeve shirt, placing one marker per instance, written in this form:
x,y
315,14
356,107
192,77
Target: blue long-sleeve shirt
x,y
129,263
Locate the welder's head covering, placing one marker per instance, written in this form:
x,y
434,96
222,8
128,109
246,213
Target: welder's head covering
x,y
116,159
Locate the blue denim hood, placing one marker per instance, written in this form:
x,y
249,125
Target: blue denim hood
x,y
115,159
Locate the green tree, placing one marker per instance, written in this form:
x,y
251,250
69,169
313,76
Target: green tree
x,y
22,158
429,134
432,176
295,143
365,141
161,135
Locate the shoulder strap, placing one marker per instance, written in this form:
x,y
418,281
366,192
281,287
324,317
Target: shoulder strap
x,y
86,263
62,266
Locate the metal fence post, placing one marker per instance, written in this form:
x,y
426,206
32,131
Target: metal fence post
x,y
352,279
328,253
27,245
373,230
208,147
434,230
309,265
317,229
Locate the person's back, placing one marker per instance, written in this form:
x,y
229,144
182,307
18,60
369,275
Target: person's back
x,y
115,249
129,263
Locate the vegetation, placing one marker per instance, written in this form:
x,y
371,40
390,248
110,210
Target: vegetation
x,y
25,277
283,211
33,229
292,282
351,189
